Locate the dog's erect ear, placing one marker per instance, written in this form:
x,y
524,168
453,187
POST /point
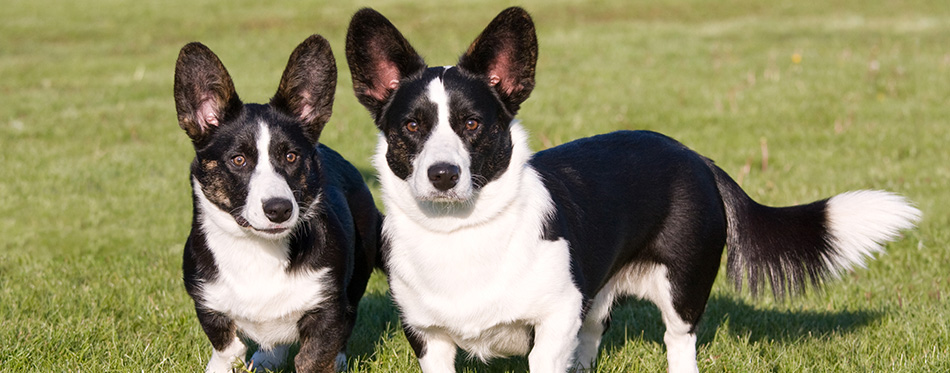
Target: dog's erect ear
x,y
308,85
505,55
204,93
379,58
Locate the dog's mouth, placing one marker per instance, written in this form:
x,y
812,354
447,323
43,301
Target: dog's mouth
x,y
245,224
444,197
453,195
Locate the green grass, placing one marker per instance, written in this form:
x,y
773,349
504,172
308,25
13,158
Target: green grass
x,y
845,94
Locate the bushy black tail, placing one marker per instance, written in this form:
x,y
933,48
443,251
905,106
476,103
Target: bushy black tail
x,y
792,246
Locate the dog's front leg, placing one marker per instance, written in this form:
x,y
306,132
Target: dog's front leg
x,y
228,348
223,360
436,352
323,336
555,339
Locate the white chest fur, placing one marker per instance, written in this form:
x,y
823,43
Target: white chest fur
x,y
253,286
484,287
484,277
475,270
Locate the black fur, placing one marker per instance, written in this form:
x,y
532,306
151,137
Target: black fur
x,y
630,197
504,56
373,72
609,227
801,232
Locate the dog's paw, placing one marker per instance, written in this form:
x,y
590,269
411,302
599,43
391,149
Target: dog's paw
x,y
269,359
222,366
340,362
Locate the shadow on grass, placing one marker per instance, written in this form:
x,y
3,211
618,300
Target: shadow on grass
x,y
377,319
634,317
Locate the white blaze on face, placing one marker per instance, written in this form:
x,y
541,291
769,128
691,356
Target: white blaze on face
x,y
442,146
266,184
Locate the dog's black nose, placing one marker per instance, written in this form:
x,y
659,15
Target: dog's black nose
x,y
444,176
278,210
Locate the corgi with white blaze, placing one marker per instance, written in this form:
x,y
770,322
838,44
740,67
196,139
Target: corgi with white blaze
x,y
500,251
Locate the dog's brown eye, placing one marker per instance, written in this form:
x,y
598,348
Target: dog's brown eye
x,y
471,124
291,157
412,126
239,160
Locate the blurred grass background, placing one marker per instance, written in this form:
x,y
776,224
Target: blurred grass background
x,y
799,100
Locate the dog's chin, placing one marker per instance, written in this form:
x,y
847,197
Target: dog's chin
x,y
446,204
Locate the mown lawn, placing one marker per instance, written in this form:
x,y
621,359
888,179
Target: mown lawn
x,y
799,101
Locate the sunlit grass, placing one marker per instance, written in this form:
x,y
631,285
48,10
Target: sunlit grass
x,y
94,195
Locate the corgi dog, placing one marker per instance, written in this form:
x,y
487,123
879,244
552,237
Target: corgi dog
x,y
285,232
500,251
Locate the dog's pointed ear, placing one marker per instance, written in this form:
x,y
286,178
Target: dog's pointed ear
x,y
204,93
308,86
505,55
379,58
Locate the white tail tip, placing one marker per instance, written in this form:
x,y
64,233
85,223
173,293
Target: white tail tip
x,y
861,222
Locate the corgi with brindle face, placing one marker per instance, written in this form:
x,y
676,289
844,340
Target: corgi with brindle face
x,y
500,251
285,232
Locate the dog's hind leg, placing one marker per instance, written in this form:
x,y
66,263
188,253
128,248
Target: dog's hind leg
x,y
680,340
681,294
688,252
653,282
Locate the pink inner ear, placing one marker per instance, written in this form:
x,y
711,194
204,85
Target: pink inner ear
x,y
306,113
386,80
500,72
306,108
207,114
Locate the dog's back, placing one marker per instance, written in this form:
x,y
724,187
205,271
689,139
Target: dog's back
x,y
366,221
